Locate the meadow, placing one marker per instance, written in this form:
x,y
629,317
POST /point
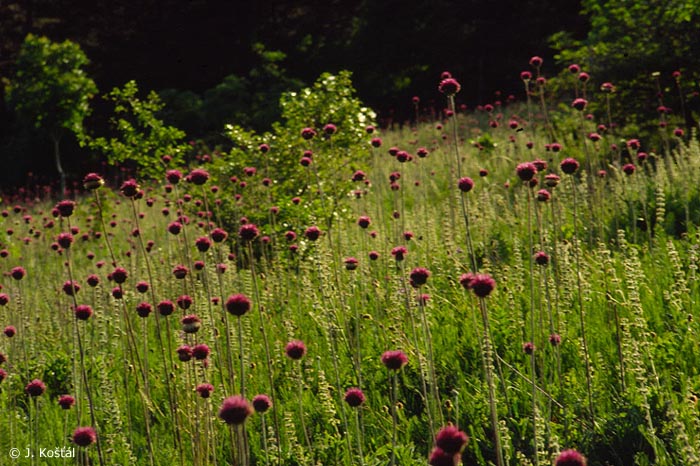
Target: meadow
x,y
523,273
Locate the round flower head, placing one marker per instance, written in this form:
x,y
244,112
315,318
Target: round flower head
x,y
202,243
451,440
18,273
165,308
65,208
142,287
308,133
419,276
92,181
66,401
119,275
543,195
483,285
312,233
579,104
376,142
190,323
295,349
35,388
261,403
204,389
541,258
607,88
569,165
526,171
528,347
180,272
354,397
394,360
555,339
235,410
583,77
4,299
84,436
350,263
678,132
629,169
130,188
574,68
570,458
200,351
82,312
525,75
184,302
93,280
399,252
449,86
219,235
198,176
184,353
10,331
64,240
3,374
71,288
173,176
364,221
248,232
143,309
422,152
536,61
465,184
330,129
238,304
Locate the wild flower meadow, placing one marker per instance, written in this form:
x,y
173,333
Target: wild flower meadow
x,y
511,284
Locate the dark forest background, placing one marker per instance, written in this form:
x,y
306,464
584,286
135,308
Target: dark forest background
x,y
217,60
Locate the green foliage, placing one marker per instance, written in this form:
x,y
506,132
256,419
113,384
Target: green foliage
x,y
627,42
50,88
331,99
142,138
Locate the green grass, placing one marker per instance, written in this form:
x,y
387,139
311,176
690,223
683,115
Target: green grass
x,y
638,293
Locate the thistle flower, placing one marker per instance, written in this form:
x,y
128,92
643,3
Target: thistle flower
x,y
204,389
308,133
528,347
3,374
579,104
202,244
536,61
438,457
198,176
451,440
190,324
312,233
541,258
419,276
629,169
180,272
18,273
92,181
354,397
526,171
330,129
261,403
235,410
238,304
184,302
119,275
165,308
66,401
570,458
350,263
483,285
465,184
569,165
143,309
554,339
248,232
173,176
130,188
449,86
399,252
394,360
184,353
4,299
543,195
84,436
35,388
142,286
295,349
364,221
201,351
71,288
82,312
65,208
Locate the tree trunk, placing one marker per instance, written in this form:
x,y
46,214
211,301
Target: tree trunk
x,y
59,167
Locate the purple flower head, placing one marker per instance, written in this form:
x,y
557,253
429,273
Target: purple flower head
x,y
65,208
190,323
248,232
295,349
143,309
439,457
354,397
261,403
165,308
526,171
82,312
528,347
180,271
419,276
204,389
451,440
201,351
198,176
35,388
84,436
235,410
394,360
92,181
219,235
71,288
66,401
449,86
119,275
18,273
173,176
399,252
569,165
130,188
483,285
238,304
579,104
570,458
184,353
308,133
543,195
465,184
312,233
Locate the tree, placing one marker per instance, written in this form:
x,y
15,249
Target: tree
x,y
51,90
